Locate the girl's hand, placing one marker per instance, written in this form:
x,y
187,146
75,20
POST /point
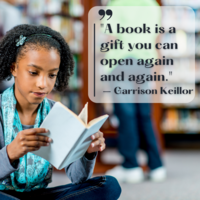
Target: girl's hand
x,y
98,143
26,141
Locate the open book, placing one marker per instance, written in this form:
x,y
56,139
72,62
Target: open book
x,y
71,135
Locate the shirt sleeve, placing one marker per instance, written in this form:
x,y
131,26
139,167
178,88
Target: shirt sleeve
x,y
6,168
81,170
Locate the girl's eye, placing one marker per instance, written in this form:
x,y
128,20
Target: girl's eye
x,y
53,76
33,73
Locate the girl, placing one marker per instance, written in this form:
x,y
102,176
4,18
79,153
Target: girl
x,y
40,59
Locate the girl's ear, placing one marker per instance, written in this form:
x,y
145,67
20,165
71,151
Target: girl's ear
x,y
13,69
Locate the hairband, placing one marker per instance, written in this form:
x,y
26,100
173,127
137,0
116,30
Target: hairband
x,y
22,38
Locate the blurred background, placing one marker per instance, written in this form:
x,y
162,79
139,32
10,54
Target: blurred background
x,y
177,126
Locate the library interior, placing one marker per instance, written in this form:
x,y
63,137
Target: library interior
x,y
159,159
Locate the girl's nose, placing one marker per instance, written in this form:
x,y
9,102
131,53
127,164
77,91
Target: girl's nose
x,y
42,82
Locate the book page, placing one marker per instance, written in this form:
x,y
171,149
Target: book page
x,y
84,114
94,127
84,142
76,153
95,120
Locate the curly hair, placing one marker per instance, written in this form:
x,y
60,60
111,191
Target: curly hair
x,y
10,53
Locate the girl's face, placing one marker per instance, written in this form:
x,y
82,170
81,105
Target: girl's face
x,y
35,74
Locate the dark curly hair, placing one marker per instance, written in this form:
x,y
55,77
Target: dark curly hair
x,y
10,53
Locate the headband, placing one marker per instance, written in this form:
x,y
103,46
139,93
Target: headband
x,y
23,39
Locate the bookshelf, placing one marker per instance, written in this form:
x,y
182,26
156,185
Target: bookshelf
x,y
182,120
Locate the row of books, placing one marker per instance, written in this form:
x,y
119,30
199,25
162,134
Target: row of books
x,y
197,93
181,120
197,70
197,44
39,12
75,81
59,16
181,18
71,30
70,99
71,8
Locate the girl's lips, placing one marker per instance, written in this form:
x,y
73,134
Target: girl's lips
x,y
39,94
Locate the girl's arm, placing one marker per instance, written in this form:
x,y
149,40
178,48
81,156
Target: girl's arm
x,y
81,170
6,168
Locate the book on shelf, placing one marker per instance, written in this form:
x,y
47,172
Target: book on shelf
x,y
71,135
181,120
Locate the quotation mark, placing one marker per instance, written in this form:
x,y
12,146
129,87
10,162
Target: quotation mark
x,y
108,12
170,73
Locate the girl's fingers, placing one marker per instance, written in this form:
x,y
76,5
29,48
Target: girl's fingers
x,y
35,144
97,135
40,138
97,142
102,147
33,131
99,147
29,149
